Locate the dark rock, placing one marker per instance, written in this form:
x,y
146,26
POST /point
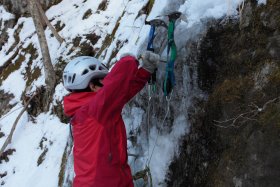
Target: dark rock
x,y
20,7
238,64
5,98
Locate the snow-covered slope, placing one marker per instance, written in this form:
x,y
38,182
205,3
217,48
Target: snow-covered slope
x,y
116,28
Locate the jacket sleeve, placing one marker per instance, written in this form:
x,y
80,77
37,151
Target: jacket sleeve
x,y
123,82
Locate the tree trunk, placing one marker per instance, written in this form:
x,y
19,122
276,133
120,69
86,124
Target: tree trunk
x,y
45,19
48,67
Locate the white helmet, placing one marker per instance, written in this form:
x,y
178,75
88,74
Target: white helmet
x,y
80,70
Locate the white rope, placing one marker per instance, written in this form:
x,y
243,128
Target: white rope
x,y
168,99
9,113
148,124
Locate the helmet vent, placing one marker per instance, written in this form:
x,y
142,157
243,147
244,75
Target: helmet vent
x,y
73,78
85,72
69,79
92,67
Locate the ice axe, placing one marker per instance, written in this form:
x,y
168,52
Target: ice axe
x,y
154,23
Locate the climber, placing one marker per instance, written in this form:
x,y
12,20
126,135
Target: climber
x,y
95,104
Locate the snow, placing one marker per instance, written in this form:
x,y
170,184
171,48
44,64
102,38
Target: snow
x,y
158,8
197,10
14,84
22,169
28,29
4,15
60,91
261,2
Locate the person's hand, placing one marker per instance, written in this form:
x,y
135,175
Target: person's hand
x,y
149,61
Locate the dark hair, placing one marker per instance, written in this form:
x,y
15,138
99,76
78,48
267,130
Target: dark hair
x,y
95,81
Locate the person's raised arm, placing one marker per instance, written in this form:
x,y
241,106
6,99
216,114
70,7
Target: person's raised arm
x,y
124,81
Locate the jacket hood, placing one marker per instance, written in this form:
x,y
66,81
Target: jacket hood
x,y
74,101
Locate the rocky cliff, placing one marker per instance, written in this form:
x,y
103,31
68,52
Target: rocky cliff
x,y
20,8
235,134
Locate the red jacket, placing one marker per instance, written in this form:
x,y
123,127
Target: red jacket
x,y
100,143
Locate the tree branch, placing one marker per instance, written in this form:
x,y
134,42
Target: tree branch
x,y
9,138
45,18
245,117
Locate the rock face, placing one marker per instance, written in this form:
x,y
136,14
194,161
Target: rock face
x,y
20,8
4,102
235,134
15,6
